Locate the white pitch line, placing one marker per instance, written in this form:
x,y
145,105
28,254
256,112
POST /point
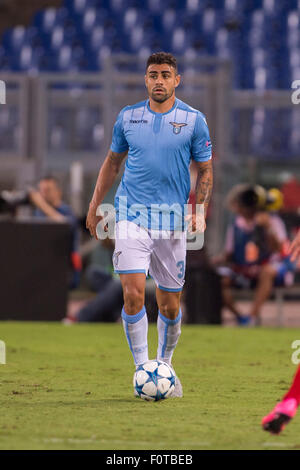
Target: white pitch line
x,y
277,444
56,440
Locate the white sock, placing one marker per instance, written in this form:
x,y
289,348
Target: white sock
x,y
168,335
136,330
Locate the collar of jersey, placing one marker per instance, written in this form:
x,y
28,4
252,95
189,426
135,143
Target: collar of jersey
x,y
162,114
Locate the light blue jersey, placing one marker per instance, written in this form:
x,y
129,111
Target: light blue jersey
x,y
160,148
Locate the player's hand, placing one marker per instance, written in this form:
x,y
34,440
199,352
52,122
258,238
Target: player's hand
x,y
295,247
196,223
92,220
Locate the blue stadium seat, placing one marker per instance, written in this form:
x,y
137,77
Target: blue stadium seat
x,y
234,9
60,36
294,141
194,6
179,40
4,60
155,6
98,135
168,21
133,17
78,7
98,37
91,18
261,78
27,59
293,20
14,38
64,60
46,20
270,134
119,6
293,38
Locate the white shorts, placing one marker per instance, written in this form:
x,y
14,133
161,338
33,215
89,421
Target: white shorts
x,y
139,250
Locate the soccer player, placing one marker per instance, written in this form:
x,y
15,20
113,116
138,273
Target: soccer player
x,y
285,410
161,136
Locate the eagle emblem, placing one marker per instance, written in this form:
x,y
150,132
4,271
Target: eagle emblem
x,y
177,126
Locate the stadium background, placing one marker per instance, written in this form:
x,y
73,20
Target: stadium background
x,y
71,65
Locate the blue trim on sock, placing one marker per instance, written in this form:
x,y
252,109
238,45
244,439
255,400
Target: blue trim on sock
x,y
168,321
133,318
167,289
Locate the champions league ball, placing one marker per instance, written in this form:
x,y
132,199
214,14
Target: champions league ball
x,y
154,380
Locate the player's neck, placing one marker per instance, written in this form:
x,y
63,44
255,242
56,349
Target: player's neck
x,y
162,107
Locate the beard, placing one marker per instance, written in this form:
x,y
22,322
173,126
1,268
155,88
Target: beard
x,y
161,98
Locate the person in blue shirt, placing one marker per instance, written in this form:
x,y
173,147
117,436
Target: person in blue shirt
x,y
159,136
47,200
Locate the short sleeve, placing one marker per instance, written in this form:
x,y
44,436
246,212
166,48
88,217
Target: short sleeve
x,y
119,143
201,144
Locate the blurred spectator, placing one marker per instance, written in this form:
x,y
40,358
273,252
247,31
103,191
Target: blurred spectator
x,y
48,203
108,303
291,204
255,251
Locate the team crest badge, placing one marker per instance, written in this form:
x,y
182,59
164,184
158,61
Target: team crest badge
x,y
177,126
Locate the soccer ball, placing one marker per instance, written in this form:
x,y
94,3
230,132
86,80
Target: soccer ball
x,y
154,380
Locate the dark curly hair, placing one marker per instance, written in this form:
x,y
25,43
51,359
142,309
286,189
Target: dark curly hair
x,y
162,58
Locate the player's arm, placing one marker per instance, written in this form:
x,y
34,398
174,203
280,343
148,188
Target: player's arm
x,y
203,190
39,202
106,178
201,151
204,183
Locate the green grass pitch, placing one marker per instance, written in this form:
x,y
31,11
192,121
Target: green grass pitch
x,y
71,388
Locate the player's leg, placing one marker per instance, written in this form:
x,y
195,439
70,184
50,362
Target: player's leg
x,y
230,279
229,302
167,267
168,323
263,289
134,316
285,410
227,296
131,261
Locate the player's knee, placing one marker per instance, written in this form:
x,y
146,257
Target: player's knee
x,y
169,310
133,300
267,272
